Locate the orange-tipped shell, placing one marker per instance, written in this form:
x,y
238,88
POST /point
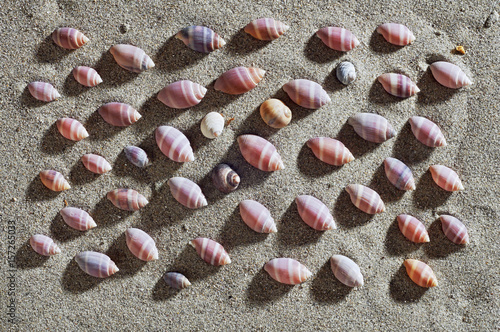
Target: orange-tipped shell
x,y
212,125
239,80
446,178
412,229
420,273
54,180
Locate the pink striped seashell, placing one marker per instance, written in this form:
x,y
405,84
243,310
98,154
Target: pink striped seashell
x,y
399,174
54,180
446,178
287,271
365,199
71,129
266,28
87,76
449,75
346,271
260,153
239,80
257,216
131,58
119,114
315,213
454,229
420,273
69,38
200,39
372,127
337,38
174,144
43,91
398,85
96,264
95,164
396,34
412,229
182,94
127,199
136,156
427,132
44,245
306,93
77,219
210,251
330,151
176,280
141,244
187,192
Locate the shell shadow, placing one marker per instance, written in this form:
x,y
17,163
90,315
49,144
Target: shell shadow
x,y
440,246
311,166
75,281
119,253
215,100
331,82
106,214
380,183
326,288
396,244
346,214
378,44
54,143
36,191
357,145
99,129
408,149
293,231
111,73
298,112
71,87
195,136
264,289
61,232
154,112
27,258
243,43
428,195
378,95
49,52
80,175
316,51
28,101
403,290
209,190
173,55
431,92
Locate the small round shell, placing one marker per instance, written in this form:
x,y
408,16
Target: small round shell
x,y
266,28
365,199
182,94
330,151
346,72
315,213
119,114
176,280
43,91
372,127
136,156
449,75
398,85
95,164
337,38
446,178
427,132
399,174
275,113
71,129
412,229
77,218
200,39
287,271
131,58
454,229
96,264
174,144
346,271
54,180
260,153
306,93
257,216
420,273
69,38
210,251
396,34
212,125
141,244
239,80
87,76
225,179
187,192
44,245
127,199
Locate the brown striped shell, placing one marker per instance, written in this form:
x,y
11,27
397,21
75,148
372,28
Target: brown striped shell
x,y
225,179
260,153
182,94
44,245
119,114
174,144
95,163
210,251
131,58
275,113
69,38
266,28
43,91
54,180
365,199
306,93
71,129
127,199
287,271
420,273
96,264
200,39
330,151
86,76
239,80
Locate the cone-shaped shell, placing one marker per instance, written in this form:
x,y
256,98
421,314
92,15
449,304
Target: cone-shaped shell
x,y
71,129
210,251
182,94
141,244
315,213
446,178
86,76
365,199
43,91
260,153
54,180
174,144
398,85
396,34
212,125
346,72
257,216
239,80
131,58
225,179
119,114
346,271
306,93
449,75
127,199
412,229
176,280
372,127
187,192
427,132
69,38
275,113
337,38
200,39
420,273
96,264
454,229
330,151
95,164
266,28
399,174
44,245
136,156
77,218
287,271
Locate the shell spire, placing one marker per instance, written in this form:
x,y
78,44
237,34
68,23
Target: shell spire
x,y
330,151
449,75
372,127
260,153
44,245
306,93
446,178
365,199
315,213
412,229
69,38
420,273
257,216
174,144
399,174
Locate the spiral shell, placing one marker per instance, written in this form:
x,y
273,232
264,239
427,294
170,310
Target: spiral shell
x,y
127,199
225,179
212,125
200,39
44,245
239,80
454,229
306,93
420,273
330,151
427,132
346,271
95,164
257,216
71,129
337,38
187,192
260,153
346,72
174,144
119,114
43,91
77,219
176,280
399,174
69,38
396,34
398,85
372,127
446,178
54,180
412,229
365,199
87,76
136,156
275,113
266,28
96,264
210,251
182,94
315,213
287,271
449,75
131,58
141,244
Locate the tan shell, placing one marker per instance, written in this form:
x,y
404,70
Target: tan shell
x,y
212,125
275,113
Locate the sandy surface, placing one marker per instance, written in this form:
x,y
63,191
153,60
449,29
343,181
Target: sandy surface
x,y
54,294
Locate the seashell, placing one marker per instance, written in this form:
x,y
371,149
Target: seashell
x,y
365,199
346,73
396,34
372,127
141,244
127,199
212,125
136,156
43,91
449,75
330,151
446,178
266,28
210,251
398,85
257,216
54,180
287,271
200,39
260,153
399,174
454,229
420,273
427,132
182,94
412,229
306,93
96,264
346,271
71,129
131,58
87,76
174,144
69,38
187,192
275,113
315,213
337,38
239,80
77,218
95,164
119,114
176,280
44,245
225,179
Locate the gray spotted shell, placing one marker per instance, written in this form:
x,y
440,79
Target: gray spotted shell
x,y
346,73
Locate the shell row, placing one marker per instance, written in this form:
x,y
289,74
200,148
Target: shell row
x,y
365,199
210,251
174,144
77,218
306,93
260,153
127,199
187,192
257,216
182,94
96,264
119,114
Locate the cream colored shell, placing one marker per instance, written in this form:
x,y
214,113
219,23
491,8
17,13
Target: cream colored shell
x,y
212,125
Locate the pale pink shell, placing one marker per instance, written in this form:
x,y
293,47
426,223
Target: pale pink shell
x,y
427,132
399,174
260,153
127,199
71,129
96,264
44,245
182,94
420,273
54,180
210,251
306,93
266,28
315,213
77,219
372,127
257,216
446,178
330,151
95,164
346,271
131,58
187,192
396,34
398,85
176,280
412,229
87,76
119,114
141,244
200,38
449,75
69,38
454,229
287,271
239,80
43,91
365,199
339,39
174,144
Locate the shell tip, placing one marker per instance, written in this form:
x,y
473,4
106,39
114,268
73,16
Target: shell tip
x,y
417,90
137,115
216,133
92,224
280,165
222,42
150,64
155,255
85,133
285,27
273,229
410,186
434,283
460,186
261,72
443,142
57,95
57,250
226,260
85,39
355,41
66,186
98,79
426,238
190,157
308,274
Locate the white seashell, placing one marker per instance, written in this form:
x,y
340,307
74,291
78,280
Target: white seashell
x,y
212,125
